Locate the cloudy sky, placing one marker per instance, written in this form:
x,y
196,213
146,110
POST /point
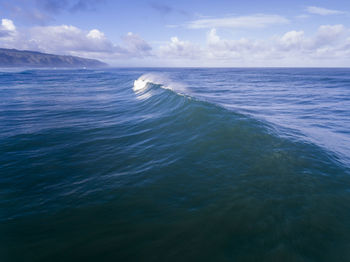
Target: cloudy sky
x,y
183,32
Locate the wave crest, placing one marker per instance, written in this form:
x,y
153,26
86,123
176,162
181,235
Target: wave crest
x,y
146,82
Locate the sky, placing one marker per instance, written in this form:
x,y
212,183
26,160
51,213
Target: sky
x,y
192,33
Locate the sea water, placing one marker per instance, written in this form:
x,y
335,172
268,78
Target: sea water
x,y
175,165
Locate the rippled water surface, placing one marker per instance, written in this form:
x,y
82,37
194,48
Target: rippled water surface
x,y
175,165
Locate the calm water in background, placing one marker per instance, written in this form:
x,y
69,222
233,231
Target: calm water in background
x,y
181,165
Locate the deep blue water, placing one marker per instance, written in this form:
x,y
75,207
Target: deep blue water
x,y
179,165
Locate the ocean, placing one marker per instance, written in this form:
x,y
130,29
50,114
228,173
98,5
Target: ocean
x,y
175,164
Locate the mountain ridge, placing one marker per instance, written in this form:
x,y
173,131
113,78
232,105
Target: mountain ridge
x,y
28,58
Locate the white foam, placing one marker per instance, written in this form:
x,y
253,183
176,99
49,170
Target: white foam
x,y
143,83
139,85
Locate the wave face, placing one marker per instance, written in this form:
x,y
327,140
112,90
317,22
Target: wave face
x,y
175,164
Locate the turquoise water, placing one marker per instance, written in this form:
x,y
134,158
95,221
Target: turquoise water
x,y
175,165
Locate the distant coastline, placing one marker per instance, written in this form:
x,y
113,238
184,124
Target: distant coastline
x,y
26,58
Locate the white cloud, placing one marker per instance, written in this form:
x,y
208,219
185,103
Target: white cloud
x,y
136,45
96,34
328,46
252,21
7,28
292,37
70,40
67,38
292,40
326,35
330,33
323,11
7,24
230,49
180,49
